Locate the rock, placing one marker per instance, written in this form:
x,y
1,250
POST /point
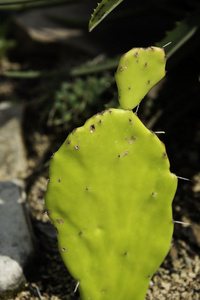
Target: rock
x,y
12,153
16,244
11,277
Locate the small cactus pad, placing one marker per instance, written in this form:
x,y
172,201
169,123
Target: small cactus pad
x,y
109,196
138,71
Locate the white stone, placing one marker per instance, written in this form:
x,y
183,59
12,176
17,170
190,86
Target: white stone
x,y
11,275
15,239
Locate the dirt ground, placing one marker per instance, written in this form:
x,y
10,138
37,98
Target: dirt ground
x,y
173,107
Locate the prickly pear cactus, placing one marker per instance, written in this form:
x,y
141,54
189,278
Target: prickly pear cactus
x,y
139,69
109,197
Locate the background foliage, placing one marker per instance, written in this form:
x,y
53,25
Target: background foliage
x,y
131,24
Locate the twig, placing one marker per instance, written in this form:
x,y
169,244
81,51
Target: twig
x,y
38,292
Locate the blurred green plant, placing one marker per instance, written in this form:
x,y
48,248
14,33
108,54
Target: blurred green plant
x,y
31,4
184,38
5,43
184,35
176,38
76,93
102,10
75,101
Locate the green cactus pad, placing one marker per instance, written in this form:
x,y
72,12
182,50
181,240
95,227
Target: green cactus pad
x,y
109,197
138,71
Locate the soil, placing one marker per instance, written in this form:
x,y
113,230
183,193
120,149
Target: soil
x,y
173,106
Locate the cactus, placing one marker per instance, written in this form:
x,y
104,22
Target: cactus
x,y
109,197
139,69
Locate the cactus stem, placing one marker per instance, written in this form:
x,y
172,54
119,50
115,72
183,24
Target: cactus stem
x,y
150,56
76,287
102,220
